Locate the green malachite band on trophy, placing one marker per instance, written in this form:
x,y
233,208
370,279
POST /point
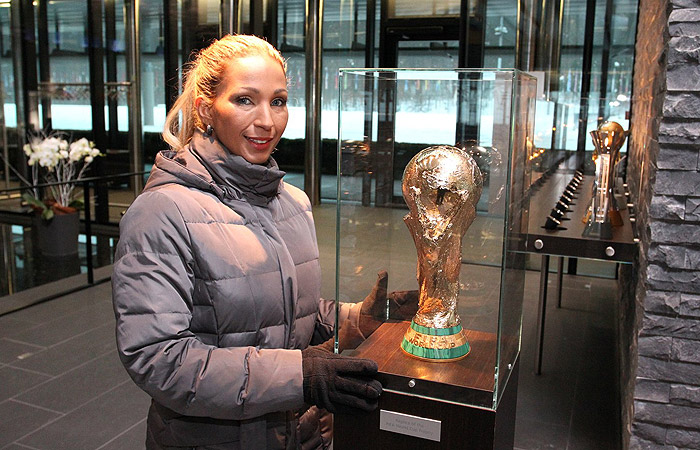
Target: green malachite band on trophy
x,y
435,353
435,344
436,331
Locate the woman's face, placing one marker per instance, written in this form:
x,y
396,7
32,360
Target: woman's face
x,y
249,113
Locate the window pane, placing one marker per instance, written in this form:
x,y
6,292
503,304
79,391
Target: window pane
x,y
6,70
433,8
67,93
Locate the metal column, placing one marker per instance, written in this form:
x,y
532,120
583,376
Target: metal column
x,y
555,64
369,96
42,26
3,136
111,71
230,17
256,18
313,40
170,52
560,280
605,63
472,31
96,55
541,313
133,60
524,45
24,80
586,75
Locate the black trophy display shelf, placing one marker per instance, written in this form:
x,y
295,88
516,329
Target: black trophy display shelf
x,y
454,397
567,239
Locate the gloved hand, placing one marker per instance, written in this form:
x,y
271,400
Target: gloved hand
x,y
402,305
340,384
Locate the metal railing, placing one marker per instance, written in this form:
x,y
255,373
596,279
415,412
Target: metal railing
x,y
23,216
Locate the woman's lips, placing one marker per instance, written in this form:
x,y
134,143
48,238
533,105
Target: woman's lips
x,y
259,143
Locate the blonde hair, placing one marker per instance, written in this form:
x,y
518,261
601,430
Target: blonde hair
x,y
203,75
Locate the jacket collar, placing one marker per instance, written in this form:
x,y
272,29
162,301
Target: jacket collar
x,y
206,164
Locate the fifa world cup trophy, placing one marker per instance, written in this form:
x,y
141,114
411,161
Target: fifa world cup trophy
x,y
607,139
441,186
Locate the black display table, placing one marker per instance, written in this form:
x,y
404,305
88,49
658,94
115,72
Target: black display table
x,y
569,240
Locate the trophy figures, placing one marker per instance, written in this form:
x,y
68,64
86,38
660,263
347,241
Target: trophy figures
x,y
607,139
441,186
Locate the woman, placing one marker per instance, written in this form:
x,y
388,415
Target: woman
x,y
216,283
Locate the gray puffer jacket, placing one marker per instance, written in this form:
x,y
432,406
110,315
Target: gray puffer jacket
x,y
216,288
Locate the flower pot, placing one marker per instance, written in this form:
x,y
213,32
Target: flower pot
x,y
58,236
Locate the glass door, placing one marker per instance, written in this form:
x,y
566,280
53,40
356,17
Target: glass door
x,y
428,100
436,48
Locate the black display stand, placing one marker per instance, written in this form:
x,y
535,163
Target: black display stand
x,y
433,391
569,240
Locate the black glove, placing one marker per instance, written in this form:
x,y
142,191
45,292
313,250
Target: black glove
x,y
340,384
402,305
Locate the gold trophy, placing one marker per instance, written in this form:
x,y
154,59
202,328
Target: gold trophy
x,y
441,186
604,214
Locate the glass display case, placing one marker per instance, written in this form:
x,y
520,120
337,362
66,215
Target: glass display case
x,y
387,118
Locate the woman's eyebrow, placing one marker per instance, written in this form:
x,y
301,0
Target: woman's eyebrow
x,y
257,91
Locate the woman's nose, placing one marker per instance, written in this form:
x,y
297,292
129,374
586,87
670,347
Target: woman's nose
x,y
263,118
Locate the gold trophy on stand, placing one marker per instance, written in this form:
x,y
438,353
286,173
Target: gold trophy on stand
x,y
604,214
441,186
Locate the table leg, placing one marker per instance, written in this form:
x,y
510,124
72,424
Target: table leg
x,y
541,310
560,280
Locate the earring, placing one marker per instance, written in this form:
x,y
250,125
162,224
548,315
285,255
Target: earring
x,y
209,131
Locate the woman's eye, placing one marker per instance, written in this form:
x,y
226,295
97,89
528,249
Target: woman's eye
x,y
244,101
279,102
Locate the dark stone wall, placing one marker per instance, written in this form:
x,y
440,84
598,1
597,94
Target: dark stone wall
x,y
660,296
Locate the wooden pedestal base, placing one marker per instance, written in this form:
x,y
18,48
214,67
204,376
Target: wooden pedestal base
x,y
460,426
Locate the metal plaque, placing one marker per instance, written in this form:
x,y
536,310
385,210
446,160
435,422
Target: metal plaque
x,y
415,426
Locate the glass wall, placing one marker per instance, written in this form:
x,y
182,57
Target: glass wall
x,y
62,39
290,22
291,43
559,93
356,34
8,116
7,89
64,66
411,8
345,44
618,78
609,91
152,46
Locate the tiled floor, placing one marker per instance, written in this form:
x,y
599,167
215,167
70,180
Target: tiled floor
x,y
62,386
61,383
572,404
